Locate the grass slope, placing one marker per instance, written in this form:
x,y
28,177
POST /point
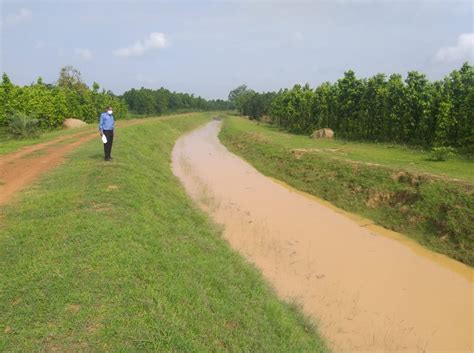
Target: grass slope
x,y
115,257
390,155
375,181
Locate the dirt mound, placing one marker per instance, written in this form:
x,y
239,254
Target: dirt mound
x,y
73,123
323,133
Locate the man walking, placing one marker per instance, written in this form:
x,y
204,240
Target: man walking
x,y
106,127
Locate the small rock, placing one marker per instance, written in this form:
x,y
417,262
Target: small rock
x,y
73,123
323,133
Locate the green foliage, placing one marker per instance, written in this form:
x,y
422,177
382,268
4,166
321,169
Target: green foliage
x,y
146,101
21,126
441,153
236,94
51,104
415,111
248,102
71,78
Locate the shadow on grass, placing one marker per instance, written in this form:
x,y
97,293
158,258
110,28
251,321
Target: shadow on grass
x,y
97,156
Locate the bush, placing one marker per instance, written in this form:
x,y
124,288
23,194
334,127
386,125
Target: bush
x,y
50,104
439,154
22,126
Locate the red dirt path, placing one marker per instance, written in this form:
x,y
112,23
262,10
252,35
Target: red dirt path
x,y
20,168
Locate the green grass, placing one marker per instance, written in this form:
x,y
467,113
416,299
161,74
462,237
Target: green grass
x,y
375,181
9,144
390,155
132,115
115,257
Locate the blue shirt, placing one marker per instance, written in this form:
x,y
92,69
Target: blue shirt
x,y
106,122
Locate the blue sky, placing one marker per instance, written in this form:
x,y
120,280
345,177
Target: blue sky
x,y
210,47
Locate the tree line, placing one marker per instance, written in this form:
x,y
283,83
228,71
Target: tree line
x,y
69,97
159,101
413,110
50,104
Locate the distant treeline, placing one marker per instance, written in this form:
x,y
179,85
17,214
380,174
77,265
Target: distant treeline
x,y
413,111
50,104
70,97
156,102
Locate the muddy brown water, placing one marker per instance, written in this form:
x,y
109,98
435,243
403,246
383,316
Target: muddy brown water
x,y
367,290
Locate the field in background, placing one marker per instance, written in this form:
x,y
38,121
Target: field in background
x,y
397,187
390,155
115,257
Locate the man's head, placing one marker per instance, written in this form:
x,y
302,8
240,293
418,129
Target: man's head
x,y
109,110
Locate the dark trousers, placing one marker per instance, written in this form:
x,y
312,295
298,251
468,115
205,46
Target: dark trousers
x,y
108,146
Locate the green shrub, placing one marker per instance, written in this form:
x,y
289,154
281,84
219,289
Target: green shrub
x,y
439,154
22,126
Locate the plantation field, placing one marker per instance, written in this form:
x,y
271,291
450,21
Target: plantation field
x,y
395,186
390,155
115,257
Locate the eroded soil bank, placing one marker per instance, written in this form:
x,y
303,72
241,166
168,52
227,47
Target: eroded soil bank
x,y
367,292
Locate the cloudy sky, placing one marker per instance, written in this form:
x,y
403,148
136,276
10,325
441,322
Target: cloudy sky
x,y
210,47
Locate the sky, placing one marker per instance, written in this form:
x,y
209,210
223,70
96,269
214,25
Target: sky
x,y
210,47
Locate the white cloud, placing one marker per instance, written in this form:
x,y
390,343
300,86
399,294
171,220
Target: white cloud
x,y
85,54
155,40
15,18
463,50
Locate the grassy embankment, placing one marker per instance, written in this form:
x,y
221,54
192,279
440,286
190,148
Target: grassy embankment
x,y
115,257
395,186
9,144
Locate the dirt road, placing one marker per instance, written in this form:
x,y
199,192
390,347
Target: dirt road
x,y
20,168
367,292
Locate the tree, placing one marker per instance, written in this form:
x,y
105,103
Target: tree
x,y
414,111
396,106
51,104
9,102
373,119
323,107
95,87
418,91
237,97
348,109
71,78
